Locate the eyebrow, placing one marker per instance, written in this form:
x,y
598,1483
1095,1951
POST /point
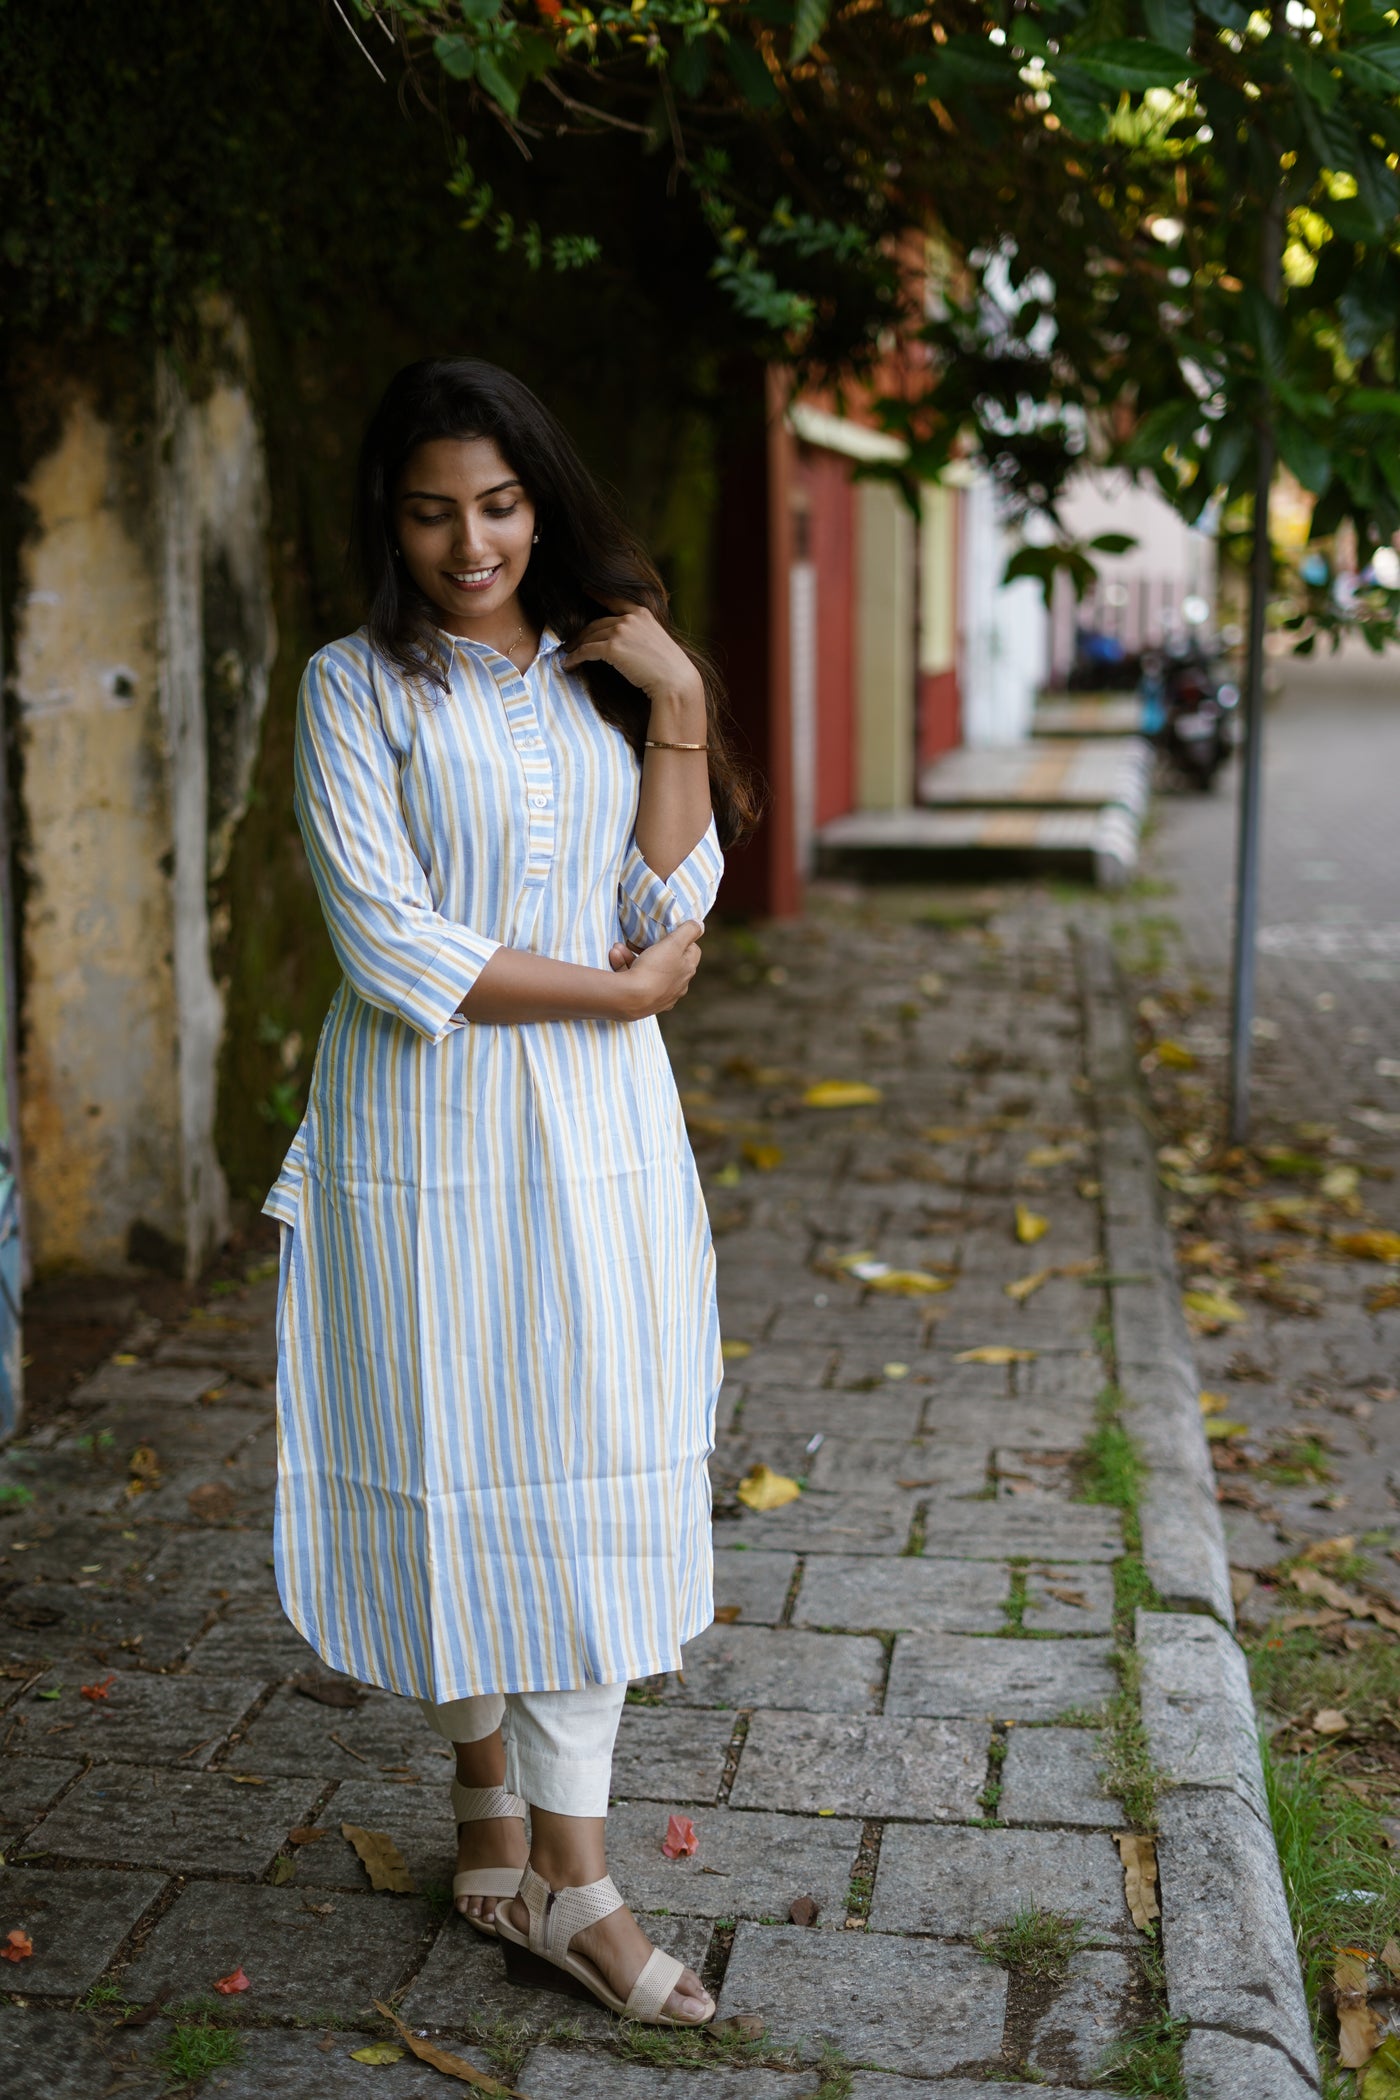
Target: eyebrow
x,y
432,495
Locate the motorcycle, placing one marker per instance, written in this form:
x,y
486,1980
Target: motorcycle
x,y
1189,710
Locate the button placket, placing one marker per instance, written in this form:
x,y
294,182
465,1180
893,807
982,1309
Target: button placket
x,y
538,771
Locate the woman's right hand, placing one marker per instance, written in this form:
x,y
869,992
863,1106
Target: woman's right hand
x,y
659,978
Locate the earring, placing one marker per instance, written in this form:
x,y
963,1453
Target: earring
x,y
535,541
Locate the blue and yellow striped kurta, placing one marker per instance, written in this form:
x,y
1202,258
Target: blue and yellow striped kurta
x,y
498,1346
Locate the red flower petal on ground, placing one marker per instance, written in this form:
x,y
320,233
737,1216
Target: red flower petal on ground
x,y
680,1840
101,1690
227,1985
18,1946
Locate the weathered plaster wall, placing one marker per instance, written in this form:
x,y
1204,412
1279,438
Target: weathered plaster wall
x,y
143,643
99,1025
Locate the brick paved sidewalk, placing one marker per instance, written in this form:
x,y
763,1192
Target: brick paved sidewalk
x,y
901,1714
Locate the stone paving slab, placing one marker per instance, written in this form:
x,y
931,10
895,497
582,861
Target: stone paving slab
x,y
143,1719
1023,1531
215,1564
817,1764
955,1674
86,1630
756,1582
253,1640
417,1818
897,2004
905,1595
1084,1603
960,1881
77,1921
47,2055
294,1734
894,1411
882,1465
1051,1775
464,1980
735,1666
558,2074
302,1964
29,1785
182,1822
845,1523
749,1864
674,1756
317,2065
1092,2012
877,2085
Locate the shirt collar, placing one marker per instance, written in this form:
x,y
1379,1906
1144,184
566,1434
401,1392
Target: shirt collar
x,y
550,644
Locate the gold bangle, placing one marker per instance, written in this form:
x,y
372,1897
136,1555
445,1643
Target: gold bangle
x,y
655,743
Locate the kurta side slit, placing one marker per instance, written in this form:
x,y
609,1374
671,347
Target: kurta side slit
x,y
498,1355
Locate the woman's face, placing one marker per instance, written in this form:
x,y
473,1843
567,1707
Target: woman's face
x,y
465,527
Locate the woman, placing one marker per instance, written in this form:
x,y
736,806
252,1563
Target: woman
x,y
498,1348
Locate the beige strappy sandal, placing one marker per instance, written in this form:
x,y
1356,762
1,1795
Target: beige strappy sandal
x,y
484,1804
542,1959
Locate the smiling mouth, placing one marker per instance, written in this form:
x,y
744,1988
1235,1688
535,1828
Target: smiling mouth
x,y
473,579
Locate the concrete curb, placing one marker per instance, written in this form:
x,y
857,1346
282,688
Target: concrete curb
x,y
1227,1941
1183,1542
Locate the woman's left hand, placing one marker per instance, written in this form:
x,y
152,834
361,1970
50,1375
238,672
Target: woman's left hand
x,y
634,642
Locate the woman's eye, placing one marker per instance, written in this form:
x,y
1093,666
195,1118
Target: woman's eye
x,y
439,517
508,512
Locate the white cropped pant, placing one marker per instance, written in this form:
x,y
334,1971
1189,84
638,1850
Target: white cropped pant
x,y
559,1745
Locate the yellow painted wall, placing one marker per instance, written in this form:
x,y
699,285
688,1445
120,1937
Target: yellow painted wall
x,y
938,632
884,648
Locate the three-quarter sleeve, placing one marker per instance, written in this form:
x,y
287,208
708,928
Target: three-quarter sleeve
x,y
649,905
396,949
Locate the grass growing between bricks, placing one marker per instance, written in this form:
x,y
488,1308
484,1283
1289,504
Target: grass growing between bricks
x,y
1147,2063
1111,1473
195,2048
1035,1942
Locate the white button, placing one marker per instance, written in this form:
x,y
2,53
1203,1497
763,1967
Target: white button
x,y
540,801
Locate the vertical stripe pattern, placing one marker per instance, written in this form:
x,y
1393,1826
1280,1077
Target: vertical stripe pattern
x,y
498,1351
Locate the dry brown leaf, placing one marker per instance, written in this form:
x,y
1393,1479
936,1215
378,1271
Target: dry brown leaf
x,y
1323,1550
1359,2027
1330,1720
306,1834
1293,1621
212,1502
1368,1246
749,2025
444,2060
1384,1298
1311,1582
804,1910
381,1859
1390,1956
1242,1581
1139,1857
727,1614
1075,1597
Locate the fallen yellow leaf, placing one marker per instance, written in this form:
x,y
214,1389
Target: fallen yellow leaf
x,y
930,984
1052,1155
1323,1550
764,1157
909,1283
840,1093
444,2060
1382,2077
1175,1056
378,2053
763,1489
895,1370
1219,1431
732,1352
1209,1311
729,1176
946,1134
1139,1857
1025,1286
1030,1225
1384,1298
994,1353
1368,1246
1214,1403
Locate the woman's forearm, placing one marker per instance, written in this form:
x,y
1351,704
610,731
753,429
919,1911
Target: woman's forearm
x,y
517,986
673,809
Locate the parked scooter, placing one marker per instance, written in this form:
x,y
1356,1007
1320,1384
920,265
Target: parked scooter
x,y
1188,709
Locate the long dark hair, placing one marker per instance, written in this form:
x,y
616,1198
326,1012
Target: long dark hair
x,y
585,556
